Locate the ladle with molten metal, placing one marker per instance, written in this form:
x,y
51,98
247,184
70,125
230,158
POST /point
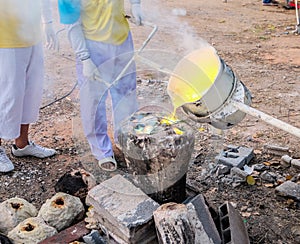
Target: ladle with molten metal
x,y
208,91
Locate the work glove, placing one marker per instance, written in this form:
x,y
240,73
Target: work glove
x,y
136,11
90,70
78,43
50,36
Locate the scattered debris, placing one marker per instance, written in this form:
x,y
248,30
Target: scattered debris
x,y
295,230
276,150
260,167
268,177
295,163
289,189
223,169
287,161
94,237
236,177
238,173
235,156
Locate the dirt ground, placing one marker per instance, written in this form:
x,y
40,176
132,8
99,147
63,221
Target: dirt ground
x,y
255,41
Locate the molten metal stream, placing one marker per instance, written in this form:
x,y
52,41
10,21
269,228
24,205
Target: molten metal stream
x,y
194,75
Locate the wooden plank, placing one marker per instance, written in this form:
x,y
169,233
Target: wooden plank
x,y
68,235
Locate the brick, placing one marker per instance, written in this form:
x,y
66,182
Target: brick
x,y
235,156
68,235
123,210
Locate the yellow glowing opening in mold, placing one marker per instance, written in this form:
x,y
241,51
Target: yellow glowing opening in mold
x,y
193,76
169,120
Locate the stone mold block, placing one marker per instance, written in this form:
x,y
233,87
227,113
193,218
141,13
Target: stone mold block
x,y
123,210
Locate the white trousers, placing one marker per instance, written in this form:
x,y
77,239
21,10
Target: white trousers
x,y
110,60
21,88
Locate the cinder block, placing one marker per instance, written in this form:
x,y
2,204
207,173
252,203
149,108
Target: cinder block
x,y
205,217
123,210
233,229
235,156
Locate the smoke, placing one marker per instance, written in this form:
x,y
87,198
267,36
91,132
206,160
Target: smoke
x,y
173,22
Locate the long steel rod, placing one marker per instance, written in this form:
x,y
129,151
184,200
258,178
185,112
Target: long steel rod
x,y
139,50
121,74
267,118
297,13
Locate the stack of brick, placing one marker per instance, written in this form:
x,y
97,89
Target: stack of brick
x,y
123,210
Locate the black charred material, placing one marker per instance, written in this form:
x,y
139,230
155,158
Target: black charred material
x,y
72,184
175,193
4,239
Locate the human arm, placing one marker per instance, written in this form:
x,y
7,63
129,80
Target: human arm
x,y
136,11
47,25
69,11
77,40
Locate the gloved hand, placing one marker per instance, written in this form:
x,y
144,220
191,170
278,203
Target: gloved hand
x,y
50,36
90,70
136,12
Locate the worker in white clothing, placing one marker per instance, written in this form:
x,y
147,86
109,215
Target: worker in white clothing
x,y
22,74
100,36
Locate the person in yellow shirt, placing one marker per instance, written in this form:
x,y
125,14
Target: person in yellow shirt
x,y
22,73
100,36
